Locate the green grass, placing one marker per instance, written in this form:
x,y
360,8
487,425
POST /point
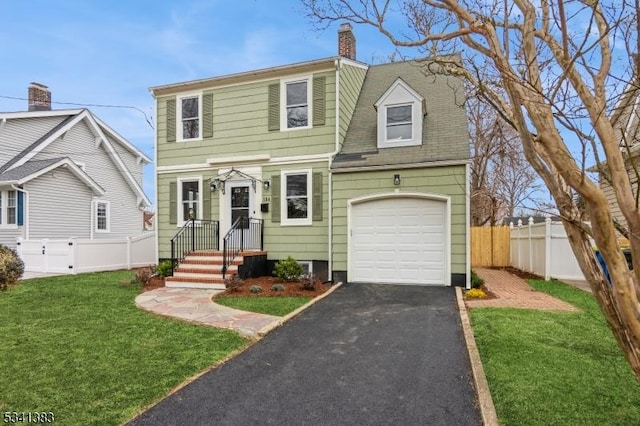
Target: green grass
x,y
278,306
555,368
78,346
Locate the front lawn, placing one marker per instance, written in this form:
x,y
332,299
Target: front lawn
x,y
77,346
278,306
547,368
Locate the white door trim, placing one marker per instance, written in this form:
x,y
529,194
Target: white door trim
x,y
416,195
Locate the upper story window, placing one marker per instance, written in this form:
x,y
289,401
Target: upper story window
x,y
189,117
296,105
400,112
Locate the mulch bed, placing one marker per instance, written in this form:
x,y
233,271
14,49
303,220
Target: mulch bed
x,y
519,273
292,289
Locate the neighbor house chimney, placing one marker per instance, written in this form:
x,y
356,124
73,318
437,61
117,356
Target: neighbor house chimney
x,y
39,97
346,41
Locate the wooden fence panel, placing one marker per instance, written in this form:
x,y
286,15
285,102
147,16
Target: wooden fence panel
x,y
490,246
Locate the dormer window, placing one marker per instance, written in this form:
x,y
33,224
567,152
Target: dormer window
x,y
399,121
400,112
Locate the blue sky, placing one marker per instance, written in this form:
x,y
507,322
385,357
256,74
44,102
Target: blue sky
x,y
110,53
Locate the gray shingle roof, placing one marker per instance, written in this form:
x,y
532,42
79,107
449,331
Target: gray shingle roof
x,y
445,128
27,169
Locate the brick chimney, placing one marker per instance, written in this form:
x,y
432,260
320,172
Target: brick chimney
x,y
39,97
346,41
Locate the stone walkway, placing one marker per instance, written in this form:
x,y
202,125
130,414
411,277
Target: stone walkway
x,y
513,292
195,305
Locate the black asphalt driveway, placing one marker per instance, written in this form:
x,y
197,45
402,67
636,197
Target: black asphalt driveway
x,y
366,355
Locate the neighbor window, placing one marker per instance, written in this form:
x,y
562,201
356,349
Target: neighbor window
x,y
296,103
190,199
189,114
399,123
296,198
102,216
9,207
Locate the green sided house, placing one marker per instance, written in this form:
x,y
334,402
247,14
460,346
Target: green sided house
x,y
358,172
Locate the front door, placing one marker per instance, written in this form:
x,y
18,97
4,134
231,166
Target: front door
x,y
240,209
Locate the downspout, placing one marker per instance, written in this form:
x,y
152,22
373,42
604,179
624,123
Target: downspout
x,y
330,175
25,210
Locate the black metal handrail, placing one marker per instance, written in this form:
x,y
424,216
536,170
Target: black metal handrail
x,y
245,234
194,235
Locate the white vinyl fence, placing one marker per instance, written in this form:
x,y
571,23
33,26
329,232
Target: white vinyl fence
x,y
77,255
544,249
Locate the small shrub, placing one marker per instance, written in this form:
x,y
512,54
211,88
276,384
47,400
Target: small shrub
x,y
143,275
164,269
476,281
475,293
11,267
233,282
255,289
277,287
288,269
308,282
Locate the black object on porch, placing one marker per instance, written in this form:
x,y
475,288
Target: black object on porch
x,y
194,235
245,234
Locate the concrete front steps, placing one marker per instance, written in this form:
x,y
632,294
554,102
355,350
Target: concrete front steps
x,y
203,269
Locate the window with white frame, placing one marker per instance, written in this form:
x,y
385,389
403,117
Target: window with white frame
x,y
296,198
400,112
399,123
189,117
102,216
297,103
9,208
190,200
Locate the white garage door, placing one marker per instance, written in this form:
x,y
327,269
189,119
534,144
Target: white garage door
x,y
399,241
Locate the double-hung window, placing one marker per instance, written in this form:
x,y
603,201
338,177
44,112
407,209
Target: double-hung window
x,y
189,115
297,103
399,123
102,216
190,200
9,208
296,198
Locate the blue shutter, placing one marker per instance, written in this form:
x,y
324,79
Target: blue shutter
x,y
20,208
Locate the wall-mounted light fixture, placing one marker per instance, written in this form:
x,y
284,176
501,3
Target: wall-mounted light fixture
x,y
396,179
214,185
266,185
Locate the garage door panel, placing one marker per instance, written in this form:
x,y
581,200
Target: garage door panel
x,y
399,240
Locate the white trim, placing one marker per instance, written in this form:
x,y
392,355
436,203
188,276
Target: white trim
x,y
468,225
211,82
284,220
239,159
397,194
108,216
36,114
4,209
130,147
399,94
402,166
69,165
309,264
179,128
181,220
283,101
300,159
353,63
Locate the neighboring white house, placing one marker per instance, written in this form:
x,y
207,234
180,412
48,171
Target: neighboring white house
x,y
66,174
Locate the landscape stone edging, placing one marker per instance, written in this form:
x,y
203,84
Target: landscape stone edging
x,y
485,402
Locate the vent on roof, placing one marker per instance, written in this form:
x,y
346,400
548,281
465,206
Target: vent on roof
x,y
39,97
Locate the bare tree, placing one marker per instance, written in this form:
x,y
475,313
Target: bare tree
x,y
554,69
501,178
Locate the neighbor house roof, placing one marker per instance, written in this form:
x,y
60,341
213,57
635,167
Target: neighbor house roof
x,y
100,131
445,131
